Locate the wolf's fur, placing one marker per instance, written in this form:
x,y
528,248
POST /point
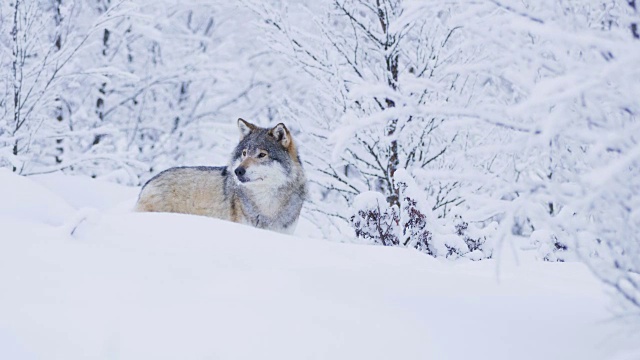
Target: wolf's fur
x,y
266,191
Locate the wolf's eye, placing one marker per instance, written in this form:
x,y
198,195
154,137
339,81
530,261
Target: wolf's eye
x,y
244,152
261,155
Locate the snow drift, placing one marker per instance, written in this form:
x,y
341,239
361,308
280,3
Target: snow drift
x,y
105,283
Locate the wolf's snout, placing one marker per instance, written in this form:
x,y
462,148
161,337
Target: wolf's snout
x,y
240,174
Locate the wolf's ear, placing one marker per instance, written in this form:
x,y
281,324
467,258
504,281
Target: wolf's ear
x,y
281,134
245,127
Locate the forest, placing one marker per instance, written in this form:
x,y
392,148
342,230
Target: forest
x,y
460,128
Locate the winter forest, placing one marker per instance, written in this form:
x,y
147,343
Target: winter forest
x,y
462,129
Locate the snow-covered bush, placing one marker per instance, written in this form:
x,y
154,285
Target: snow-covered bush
x,y
412,224
377,222
374,220
415,230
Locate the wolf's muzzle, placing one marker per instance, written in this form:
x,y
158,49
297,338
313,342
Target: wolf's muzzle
x,y
240,172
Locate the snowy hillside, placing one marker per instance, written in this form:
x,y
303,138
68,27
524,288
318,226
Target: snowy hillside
x,y
472,179
82,277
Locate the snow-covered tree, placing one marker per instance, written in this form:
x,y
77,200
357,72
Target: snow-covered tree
x,y
540,98
372,67
122,89
563,85
41,42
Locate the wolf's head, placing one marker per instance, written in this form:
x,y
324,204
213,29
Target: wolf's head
x,y
264,157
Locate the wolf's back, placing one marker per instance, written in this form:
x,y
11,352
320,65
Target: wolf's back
x,y
190,190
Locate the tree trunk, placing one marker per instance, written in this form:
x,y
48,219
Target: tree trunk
x,y
391,61
634,25
57,17
16,81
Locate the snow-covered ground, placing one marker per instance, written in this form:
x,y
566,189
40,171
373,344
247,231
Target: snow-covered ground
x,y
82,277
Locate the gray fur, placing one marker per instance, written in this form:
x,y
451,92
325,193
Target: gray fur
x,y
268,193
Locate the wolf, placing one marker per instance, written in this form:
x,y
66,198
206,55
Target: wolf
x,y
263,185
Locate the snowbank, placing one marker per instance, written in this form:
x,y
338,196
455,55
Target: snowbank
x,y
168,286
22,200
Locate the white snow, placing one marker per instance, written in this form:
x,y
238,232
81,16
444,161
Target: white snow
x,y
25,201
167,286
